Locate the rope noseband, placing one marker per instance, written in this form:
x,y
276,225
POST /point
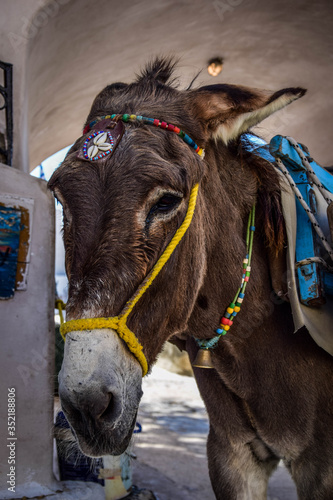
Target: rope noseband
x,y
118,323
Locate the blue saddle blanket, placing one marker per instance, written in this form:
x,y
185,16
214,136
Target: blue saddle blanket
x,y
310,286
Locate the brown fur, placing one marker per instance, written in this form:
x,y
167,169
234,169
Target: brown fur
x,y
270,396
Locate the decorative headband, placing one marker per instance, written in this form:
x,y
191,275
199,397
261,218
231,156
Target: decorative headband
x,y
132,118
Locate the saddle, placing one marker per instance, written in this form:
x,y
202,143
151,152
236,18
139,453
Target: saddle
x,y
306,197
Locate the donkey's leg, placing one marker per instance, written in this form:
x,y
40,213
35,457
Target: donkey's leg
x,y
312,472
239,471
239,461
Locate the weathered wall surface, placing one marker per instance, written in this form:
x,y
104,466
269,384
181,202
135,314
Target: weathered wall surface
x,y
27,346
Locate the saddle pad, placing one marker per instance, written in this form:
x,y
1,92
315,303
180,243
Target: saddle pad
x,y
318,321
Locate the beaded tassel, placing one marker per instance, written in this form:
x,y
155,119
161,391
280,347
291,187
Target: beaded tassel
x,y
150,121
235,306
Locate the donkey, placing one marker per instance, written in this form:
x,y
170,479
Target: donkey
x,y
126,187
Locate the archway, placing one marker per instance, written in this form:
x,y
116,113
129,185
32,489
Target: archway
x,y
79,48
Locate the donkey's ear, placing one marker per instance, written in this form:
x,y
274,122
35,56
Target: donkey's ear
x,y
226,111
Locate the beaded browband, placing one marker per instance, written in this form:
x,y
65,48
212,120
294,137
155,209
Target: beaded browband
x,y
149,121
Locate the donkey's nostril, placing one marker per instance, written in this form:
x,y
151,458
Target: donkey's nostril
x,y
109,413
94,405
104,407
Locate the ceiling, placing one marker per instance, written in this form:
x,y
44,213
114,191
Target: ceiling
x,y
265,44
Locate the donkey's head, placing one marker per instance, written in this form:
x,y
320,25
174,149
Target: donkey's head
x,y
125,187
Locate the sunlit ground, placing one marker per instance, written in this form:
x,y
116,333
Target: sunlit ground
x,y
171,450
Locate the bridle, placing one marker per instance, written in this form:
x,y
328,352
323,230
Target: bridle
x,y
119,323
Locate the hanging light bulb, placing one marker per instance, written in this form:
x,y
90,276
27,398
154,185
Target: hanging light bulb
x,y
215,66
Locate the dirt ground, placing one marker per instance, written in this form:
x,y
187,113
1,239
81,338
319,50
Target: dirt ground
x,y
171,449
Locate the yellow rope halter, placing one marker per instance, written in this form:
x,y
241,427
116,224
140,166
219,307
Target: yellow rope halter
x,y
118,323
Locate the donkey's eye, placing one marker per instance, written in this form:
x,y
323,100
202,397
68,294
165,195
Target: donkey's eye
x,y
165,204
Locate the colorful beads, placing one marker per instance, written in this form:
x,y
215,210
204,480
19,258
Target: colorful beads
x,y
234,307
188,140
226,321
150,121
221,331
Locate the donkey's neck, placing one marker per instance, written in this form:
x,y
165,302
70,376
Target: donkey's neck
x,y
230,191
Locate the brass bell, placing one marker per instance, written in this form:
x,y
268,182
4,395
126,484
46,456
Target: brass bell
x,y
203,359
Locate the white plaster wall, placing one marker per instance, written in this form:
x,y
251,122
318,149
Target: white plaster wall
x,y
27,348
16,31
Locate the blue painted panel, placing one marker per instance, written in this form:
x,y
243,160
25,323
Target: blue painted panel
x,y
258,146
10,225
312,280
281,148
309,276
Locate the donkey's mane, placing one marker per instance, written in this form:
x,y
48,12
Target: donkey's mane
x,y
268,196
160,70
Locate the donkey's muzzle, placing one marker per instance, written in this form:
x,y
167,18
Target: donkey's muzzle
x,y
100,390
